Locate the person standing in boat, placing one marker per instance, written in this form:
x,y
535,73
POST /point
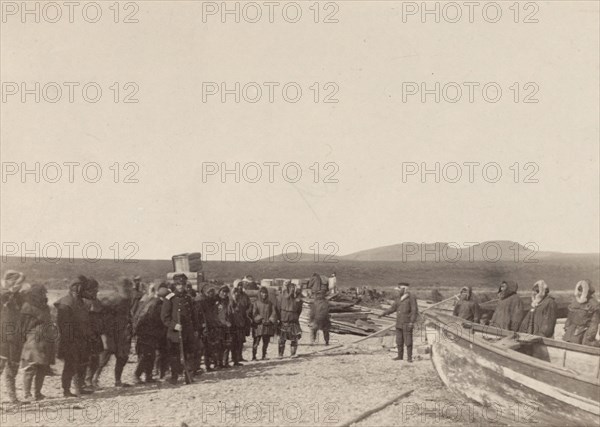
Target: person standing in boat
x,y
509,311
466,308
407,313
581,312
541,317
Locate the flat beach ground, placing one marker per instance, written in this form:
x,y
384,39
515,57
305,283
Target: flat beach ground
x,y
330,388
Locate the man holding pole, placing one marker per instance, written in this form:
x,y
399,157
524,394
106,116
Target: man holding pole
x,y
179,316
407,312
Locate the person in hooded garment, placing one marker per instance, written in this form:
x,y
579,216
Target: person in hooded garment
x,y
510,309
591,337
466,307
198,307
40,334
407,313
264,320
162,348
75,331
289,308
224,326
243,300
541,317
319,318
116,333
96,314
180,319
211,337
238,315
149,330
581,312
11,300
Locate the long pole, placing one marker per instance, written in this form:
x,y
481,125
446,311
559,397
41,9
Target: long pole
x,y
376,409
187,376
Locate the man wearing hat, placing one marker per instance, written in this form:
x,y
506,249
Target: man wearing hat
x,y
179,316
407,312
11,301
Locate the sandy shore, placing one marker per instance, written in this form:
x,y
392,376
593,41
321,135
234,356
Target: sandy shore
x,y
326,389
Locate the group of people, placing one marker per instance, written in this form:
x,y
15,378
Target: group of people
x,y
175,328
583,319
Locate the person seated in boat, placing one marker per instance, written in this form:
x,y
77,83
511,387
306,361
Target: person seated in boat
x,y
466,308
592,335
541,317
581,313
407,313
509,310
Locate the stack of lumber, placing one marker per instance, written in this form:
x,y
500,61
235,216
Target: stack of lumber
x,y
346,318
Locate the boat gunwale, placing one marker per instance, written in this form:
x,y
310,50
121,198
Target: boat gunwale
x,y
515,355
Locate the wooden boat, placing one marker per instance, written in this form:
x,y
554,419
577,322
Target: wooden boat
x,y
525,378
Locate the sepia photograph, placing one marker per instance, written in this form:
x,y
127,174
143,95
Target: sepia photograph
x,y
299,213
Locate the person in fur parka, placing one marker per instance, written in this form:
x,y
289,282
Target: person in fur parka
x,y
581,312
541,317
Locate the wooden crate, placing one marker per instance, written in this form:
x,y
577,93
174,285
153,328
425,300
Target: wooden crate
x,y
187,262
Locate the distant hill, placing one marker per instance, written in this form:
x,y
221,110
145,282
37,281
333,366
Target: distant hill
x,y
490,251
294,257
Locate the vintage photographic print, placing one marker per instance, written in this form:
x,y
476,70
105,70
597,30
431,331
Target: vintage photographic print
x,y
299,213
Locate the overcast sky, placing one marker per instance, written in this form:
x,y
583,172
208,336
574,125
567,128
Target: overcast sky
x,y
365,137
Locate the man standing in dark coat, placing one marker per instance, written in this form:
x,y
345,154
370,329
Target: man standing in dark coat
x,y
179,316
510,309
407,313
211,338
11,301
239,320
245,306
75,331
96,313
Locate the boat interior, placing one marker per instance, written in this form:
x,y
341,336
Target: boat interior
x,y
578,359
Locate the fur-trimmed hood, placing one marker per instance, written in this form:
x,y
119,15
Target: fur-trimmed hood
x,y
542,291
587,291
